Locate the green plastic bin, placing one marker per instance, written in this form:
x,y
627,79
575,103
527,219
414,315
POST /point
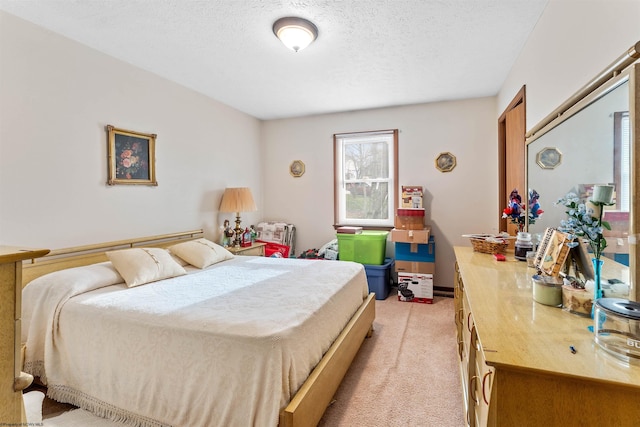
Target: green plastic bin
x,y
367,247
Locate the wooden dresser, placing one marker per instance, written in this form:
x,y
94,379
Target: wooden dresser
x,y
12,379
516,365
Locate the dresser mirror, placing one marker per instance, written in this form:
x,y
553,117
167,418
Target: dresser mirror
x,y
593,142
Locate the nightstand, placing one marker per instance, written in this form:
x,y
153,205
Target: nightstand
x,y
256,249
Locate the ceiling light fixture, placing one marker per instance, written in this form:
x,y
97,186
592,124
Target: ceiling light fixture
x,y
295,33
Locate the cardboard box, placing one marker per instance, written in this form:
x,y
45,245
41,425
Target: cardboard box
x,y
411,196
415,287
418,252
617,241
409,219
415,267
411,236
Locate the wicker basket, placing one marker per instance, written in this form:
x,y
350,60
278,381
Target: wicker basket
x,y
486,247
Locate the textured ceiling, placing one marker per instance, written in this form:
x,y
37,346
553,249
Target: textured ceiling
x,y
369,53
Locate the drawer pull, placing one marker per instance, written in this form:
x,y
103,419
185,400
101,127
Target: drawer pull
x,y
484,396
468,319
472,389
474,338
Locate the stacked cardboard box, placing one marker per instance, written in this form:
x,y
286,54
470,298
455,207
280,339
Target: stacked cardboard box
x,y
414,249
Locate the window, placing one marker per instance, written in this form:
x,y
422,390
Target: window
x,y
622,159
366,176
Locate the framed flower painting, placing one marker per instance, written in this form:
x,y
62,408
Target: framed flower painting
x,y
131,157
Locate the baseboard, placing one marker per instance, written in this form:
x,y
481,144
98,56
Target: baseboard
x,y
443,291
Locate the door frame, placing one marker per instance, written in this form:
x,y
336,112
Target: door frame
x,y
520,98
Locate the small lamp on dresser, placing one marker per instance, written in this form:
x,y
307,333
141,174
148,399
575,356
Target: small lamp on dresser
x,y
237,200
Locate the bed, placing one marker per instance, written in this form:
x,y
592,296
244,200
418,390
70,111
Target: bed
x,y
268,344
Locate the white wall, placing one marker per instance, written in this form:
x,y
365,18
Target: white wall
x,y
573,41
58,96
457,202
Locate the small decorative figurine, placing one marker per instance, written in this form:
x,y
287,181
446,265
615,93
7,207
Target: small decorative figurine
x,y
227,234
246,238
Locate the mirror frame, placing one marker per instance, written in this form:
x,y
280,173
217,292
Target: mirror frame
x,y
631,74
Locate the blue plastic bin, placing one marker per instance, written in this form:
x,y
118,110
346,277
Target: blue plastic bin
x,y
379,278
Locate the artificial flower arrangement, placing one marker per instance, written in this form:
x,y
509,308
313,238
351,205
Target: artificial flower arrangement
x,y
584,221
516,211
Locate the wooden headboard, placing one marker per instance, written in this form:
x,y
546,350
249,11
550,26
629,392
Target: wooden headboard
x,y
90,254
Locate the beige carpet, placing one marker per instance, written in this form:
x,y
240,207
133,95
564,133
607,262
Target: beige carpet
x,y
406,374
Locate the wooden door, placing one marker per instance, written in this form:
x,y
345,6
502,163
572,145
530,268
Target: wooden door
x,y
512,156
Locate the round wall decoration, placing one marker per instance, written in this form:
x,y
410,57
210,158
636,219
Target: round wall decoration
x,y
445,162
296,168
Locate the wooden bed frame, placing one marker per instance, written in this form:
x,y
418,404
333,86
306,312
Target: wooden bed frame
x,y
310,402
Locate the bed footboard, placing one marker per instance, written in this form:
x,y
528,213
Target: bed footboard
x,y
308,405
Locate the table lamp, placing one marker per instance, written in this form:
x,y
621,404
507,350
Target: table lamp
x,y
237,200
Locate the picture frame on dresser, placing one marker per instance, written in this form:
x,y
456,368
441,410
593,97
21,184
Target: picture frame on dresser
x,y
131,157
552,252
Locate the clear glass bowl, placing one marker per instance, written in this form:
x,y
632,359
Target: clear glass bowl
x,y
617,327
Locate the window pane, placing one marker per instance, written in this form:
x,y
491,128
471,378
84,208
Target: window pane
x,y
367,201
366,160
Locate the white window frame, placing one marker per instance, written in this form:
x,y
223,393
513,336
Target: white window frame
x,y
622,160
389,137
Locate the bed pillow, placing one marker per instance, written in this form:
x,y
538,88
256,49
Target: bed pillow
x,y
177,259
143,265
201,252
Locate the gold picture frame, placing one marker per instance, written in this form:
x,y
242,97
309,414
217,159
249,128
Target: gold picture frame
x,y
445,162
549,158
131,157
297,168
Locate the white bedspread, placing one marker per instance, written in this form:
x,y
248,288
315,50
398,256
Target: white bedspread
x,y
225,346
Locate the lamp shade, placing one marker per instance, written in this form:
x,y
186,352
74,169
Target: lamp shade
x,y
237,200
295,33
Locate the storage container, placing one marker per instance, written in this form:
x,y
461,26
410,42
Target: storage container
x,y
577,301
547,290
411,196
617,327
411,236
379,278
409,219
414,267
415,287
273,249
367,247
523,245
416,252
